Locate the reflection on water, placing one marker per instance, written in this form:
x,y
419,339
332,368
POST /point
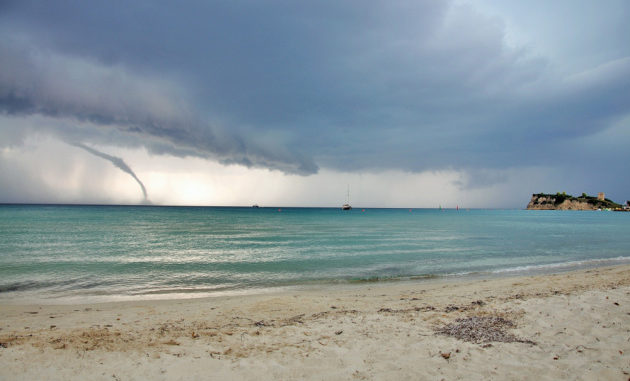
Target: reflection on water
x,y
131,251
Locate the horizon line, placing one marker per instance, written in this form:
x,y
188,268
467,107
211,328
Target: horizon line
x,y
247,206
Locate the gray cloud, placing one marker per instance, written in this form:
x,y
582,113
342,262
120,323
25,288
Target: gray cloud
x,y
356,85
33,81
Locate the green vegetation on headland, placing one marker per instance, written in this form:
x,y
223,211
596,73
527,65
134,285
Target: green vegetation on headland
x,y
564,201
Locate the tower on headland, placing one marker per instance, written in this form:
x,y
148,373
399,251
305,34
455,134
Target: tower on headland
x,y
601,196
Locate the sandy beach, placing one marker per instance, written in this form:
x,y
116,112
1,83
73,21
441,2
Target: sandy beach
x,y
573,325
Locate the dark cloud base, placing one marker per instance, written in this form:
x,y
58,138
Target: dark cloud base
x,y
292,86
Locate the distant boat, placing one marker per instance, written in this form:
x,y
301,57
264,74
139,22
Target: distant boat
x,y
255,206
347,206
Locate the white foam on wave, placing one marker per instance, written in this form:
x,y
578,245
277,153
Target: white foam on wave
x,y
570,264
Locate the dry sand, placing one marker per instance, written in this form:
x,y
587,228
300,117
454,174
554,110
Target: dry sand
x,y
566,326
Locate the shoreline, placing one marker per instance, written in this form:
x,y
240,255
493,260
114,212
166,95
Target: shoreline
x,y
513,272
569,325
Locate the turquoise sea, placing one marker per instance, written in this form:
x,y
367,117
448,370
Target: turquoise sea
x,y
61,253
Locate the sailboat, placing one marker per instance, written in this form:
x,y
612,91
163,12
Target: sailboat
x,y
347,206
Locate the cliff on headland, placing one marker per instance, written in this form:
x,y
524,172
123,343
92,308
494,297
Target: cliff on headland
x,y
563,201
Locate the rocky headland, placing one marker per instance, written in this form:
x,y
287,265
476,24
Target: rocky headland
x,y
563,201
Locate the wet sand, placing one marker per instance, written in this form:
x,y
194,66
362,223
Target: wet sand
x,y
573,325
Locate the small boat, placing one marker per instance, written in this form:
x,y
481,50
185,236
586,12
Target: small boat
x,y
255,206
347,206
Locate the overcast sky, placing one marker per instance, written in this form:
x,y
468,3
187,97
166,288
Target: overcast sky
x,y
410,103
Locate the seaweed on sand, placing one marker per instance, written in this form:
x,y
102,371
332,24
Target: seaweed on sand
x,y
482,329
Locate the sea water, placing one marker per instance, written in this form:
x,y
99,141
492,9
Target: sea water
x,y
61,253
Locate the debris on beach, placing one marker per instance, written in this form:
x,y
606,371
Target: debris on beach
x,y
482,329
297,319
406,310
263,323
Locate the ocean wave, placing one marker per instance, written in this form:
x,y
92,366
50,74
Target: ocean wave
x,y
392,278
559,265
31,285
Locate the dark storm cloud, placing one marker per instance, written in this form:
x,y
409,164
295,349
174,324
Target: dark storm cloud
x,y
410,85
141,109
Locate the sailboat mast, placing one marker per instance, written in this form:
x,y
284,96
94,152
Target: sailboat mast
x,y
347,206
